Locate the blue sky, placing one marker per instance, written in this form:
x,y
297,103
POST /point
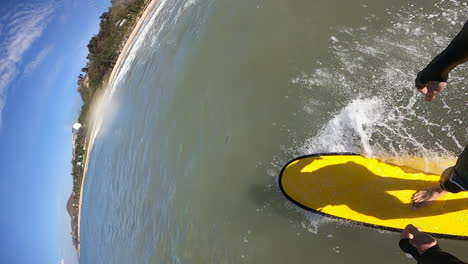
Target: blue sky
x,y
42,49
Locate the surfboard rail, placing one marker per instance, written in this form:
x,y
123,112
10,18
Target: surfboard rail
x,y
357,213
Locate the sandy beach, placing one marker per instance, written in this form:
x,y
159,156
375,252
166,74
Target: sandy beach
x,y
91,132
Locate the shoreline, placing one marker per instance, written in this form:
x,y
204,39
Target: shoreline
x,y
91,133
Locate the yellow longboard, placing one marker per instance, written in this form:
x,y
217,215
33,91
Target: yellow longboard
x,y
372,192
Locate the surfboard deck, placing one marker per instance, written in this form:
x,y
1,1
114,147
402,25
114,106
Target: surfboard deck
x,y
371,192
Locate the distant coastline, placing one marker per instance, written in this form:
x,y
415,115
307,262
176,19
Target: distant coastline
x,y
119,26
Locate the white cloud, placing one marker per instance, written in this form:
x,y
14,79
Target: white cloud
x,y
22,25
62,261
39,58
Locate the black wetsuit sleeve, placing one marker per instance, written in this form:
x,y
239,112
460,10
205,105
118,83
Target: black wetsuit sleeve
x,y
455,54
406,247
435,255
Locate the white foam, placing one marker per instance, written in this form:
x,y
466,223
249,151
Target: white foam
x,y
350,130
190,3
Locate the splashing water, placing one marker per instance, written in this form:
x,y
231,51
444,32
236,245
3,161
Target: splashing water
x,y
350,130
375,71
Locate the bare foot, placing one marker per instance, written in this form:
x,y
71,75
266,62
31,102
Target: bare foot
x,y
426,196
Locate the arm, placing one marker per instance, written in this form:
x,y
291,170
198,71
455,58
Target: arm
x,y
424,248
435,255
432,79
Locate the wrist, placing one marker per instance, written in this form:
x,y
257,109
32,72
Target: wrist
x,y
430,73
429,248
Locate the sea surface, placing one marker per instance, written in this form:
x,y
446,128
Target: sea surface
x,y
216,95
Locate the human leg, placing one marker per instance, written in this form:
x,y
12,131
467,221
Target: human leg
x,y
453,180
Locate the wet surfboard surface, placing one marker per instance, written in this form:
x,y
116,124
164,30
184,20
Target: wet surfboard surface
x,y
372,192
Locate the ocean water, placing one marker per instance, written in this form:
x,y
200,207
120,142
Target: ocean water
x,y
216,95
